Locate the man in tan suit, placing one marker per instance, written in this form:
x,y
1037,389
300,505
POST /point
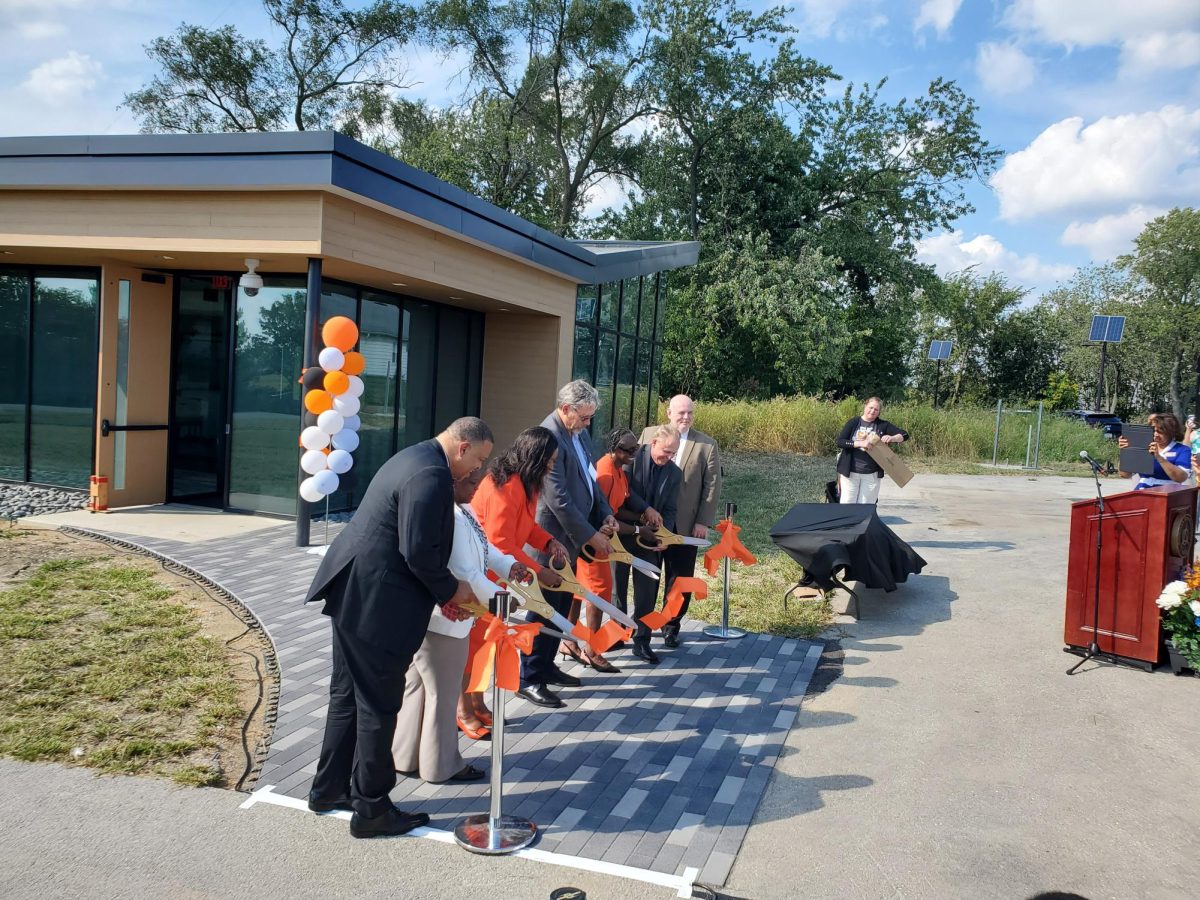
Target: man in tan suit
x,y
700,459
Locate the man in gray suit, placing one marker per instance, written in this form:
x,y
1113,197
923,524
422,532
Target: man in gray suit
x,y
572,508
700,459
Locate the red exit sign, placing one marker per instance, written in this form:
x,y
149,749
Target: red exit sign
x,y
222,282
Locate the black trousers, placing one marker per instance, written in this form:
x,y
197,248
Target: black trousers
x,y
645,590
679,561
539,662
365,692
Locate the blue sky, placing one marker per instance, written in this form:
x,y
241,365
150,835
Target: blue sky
x,y
1095,103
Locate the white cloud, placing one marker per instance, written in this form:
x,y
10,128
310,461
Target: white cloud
x,y
950,252
608,194
1004,68
1109,236
937,13
58,81
840,19
1155,52
1087,23
1115,161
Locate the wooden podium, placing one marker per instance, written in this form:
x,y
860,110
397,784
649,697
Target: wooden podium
x,y
1148,540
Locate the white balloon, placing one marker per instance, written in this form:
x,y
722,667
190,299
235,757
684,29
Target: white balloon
x,y
313,438
352,423
313,461
331,359
356,386
347,406
308,489
345,440
330,421
340,461
326,482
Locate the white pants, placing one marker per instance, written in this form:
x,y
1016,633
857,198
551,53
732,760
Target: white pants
x,y
857,488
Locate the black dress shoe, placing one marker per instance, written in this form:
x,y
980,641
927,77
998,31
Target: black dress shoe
x,y
324,806
670,637
643,651
541,695
558,676
393,822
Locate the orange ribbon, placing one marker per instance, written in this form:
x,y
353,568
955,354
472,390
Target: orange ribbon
x,y
657,619
608,634
500,649
728,546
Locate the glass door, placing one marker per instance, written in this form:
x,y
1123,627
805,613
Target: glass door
x,y
199,396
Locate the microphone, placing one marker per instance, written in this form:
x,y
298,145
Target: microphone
x,y
1086,457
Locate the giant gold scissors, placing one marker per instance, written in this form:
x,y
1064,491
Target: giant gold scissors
x,y
571,584
620,555
669,538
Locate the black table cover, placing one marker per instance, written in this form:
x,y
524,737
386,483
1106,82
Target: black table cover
x,y
826,538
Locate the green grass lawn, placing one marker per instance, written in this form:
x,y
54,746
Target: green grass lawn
x,y
101,665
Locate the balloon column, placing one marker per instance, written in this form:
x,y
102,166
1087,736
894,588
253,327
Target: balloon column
x,y
331,396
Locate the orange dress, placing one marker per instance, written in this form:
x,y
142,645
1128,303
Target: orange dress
x,y
614,484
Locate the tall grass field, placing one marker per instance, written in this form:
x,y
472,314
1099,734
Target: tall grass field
x,y
810,426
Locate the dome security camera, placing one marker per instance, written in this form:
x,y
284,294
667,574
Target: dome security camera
x,y
251,282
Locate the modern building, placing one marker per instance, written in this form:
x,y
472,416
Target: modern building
x,y
128,349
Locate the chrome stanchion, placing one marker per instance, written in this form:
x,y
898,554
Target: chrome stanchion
x,y
723,632
495,833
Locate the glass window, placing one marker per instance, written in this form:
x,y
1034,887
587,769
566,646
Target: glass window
x,y
585,353
453,335
379,343
606,357
646,317
661,310
609,296
417,372
266,397
122,406
629,305
474,365
623,402
66,312
14,369
641,395
585,304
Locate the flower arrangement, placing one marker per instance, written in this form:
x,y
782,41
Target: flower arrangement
x,y
1180,605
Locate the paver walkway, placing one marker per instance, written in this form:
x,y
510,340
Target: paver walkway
x,y
660,768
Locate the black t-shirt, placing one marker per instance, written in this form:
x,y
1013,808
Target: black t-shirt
x,y
861,462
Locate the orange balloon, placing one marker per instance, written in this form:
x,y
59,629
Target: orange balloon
x,y
340,332
354,365
316,402
336,382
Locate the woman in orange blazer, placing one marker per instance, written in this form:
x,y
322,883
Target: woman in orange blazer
x,y
597,576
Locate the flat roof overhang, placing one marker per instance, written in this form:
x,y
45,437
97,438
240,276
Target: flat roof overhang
x,y
325,161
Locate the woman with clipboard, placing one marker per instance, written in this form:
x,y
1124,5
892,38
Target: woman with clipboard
x,y
1170,461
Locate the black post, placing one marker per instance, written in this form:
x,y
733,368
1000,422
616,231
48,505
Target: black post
x,y
1093,650
1100,379
937,383
312,317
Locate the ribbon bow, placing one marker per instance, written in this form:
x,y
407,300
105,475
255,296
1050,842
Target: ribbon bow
x,y
728,546
499,648
680,586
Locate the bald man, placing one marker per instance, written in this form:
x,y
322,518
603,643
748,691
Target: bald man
x,y
699,458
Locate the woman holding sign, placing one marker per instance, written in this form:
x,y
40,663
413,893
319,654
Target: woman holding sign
x,y
858,473
1171,461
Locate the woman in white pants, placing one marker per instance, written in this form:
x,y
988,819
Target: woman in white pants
x,y
858,474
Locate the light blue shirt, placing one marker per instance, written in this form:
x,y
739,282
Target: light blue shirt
x,y
584,462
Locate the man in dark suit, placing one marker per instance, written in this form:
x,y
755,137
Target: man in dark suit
x,y
380,580
699,458
654,477
572,508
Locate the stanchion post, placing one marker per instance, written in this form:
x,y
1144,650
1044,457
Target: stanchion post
x,y
723,632
495,833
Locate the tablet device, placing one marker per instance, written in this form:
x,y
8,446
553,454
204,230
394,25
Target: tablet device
x,y
1136,457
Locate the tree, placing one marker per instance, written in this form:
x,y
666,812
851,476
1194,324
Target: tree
x,y
219,80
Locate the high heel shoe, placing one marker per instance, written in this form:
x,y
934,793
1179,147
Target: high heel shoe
x,y
473,734
600,664
569,650
484,716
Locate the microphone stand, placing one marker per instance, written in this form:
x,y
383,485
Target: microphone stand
x,y
1093,649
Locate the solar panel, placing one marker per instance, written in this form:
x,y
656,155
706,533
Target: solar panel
x,y
1099,328
1116,329
940,349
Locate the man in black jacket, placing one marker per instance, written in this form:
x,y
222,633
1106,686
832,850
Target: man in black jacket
x,y
380,580
655,478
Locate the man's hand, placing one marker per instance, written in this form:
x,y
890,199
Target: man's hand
x,y
652,517
648,537
700,531
463,595
557,552
519,573
609,526
454,612
549,579
599,544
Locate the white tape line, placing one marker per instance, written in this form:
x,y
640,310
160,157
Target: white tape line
x,y
681,883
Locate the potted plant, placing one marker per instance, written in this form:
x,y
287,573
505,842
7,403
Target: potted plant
x,y
1180,605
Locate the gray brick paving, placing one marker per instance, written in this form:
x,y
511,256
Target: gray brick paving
x,y
659,768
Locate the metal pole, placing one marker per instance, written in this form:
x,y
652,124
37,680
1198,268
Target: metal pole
x,y
495,833
312,316
723,632
1028,444
326,520
996,436
1037,444
1100,378
937,384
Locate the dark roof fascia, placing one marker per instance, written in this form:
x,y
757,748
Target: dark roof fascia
x,y
307,160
